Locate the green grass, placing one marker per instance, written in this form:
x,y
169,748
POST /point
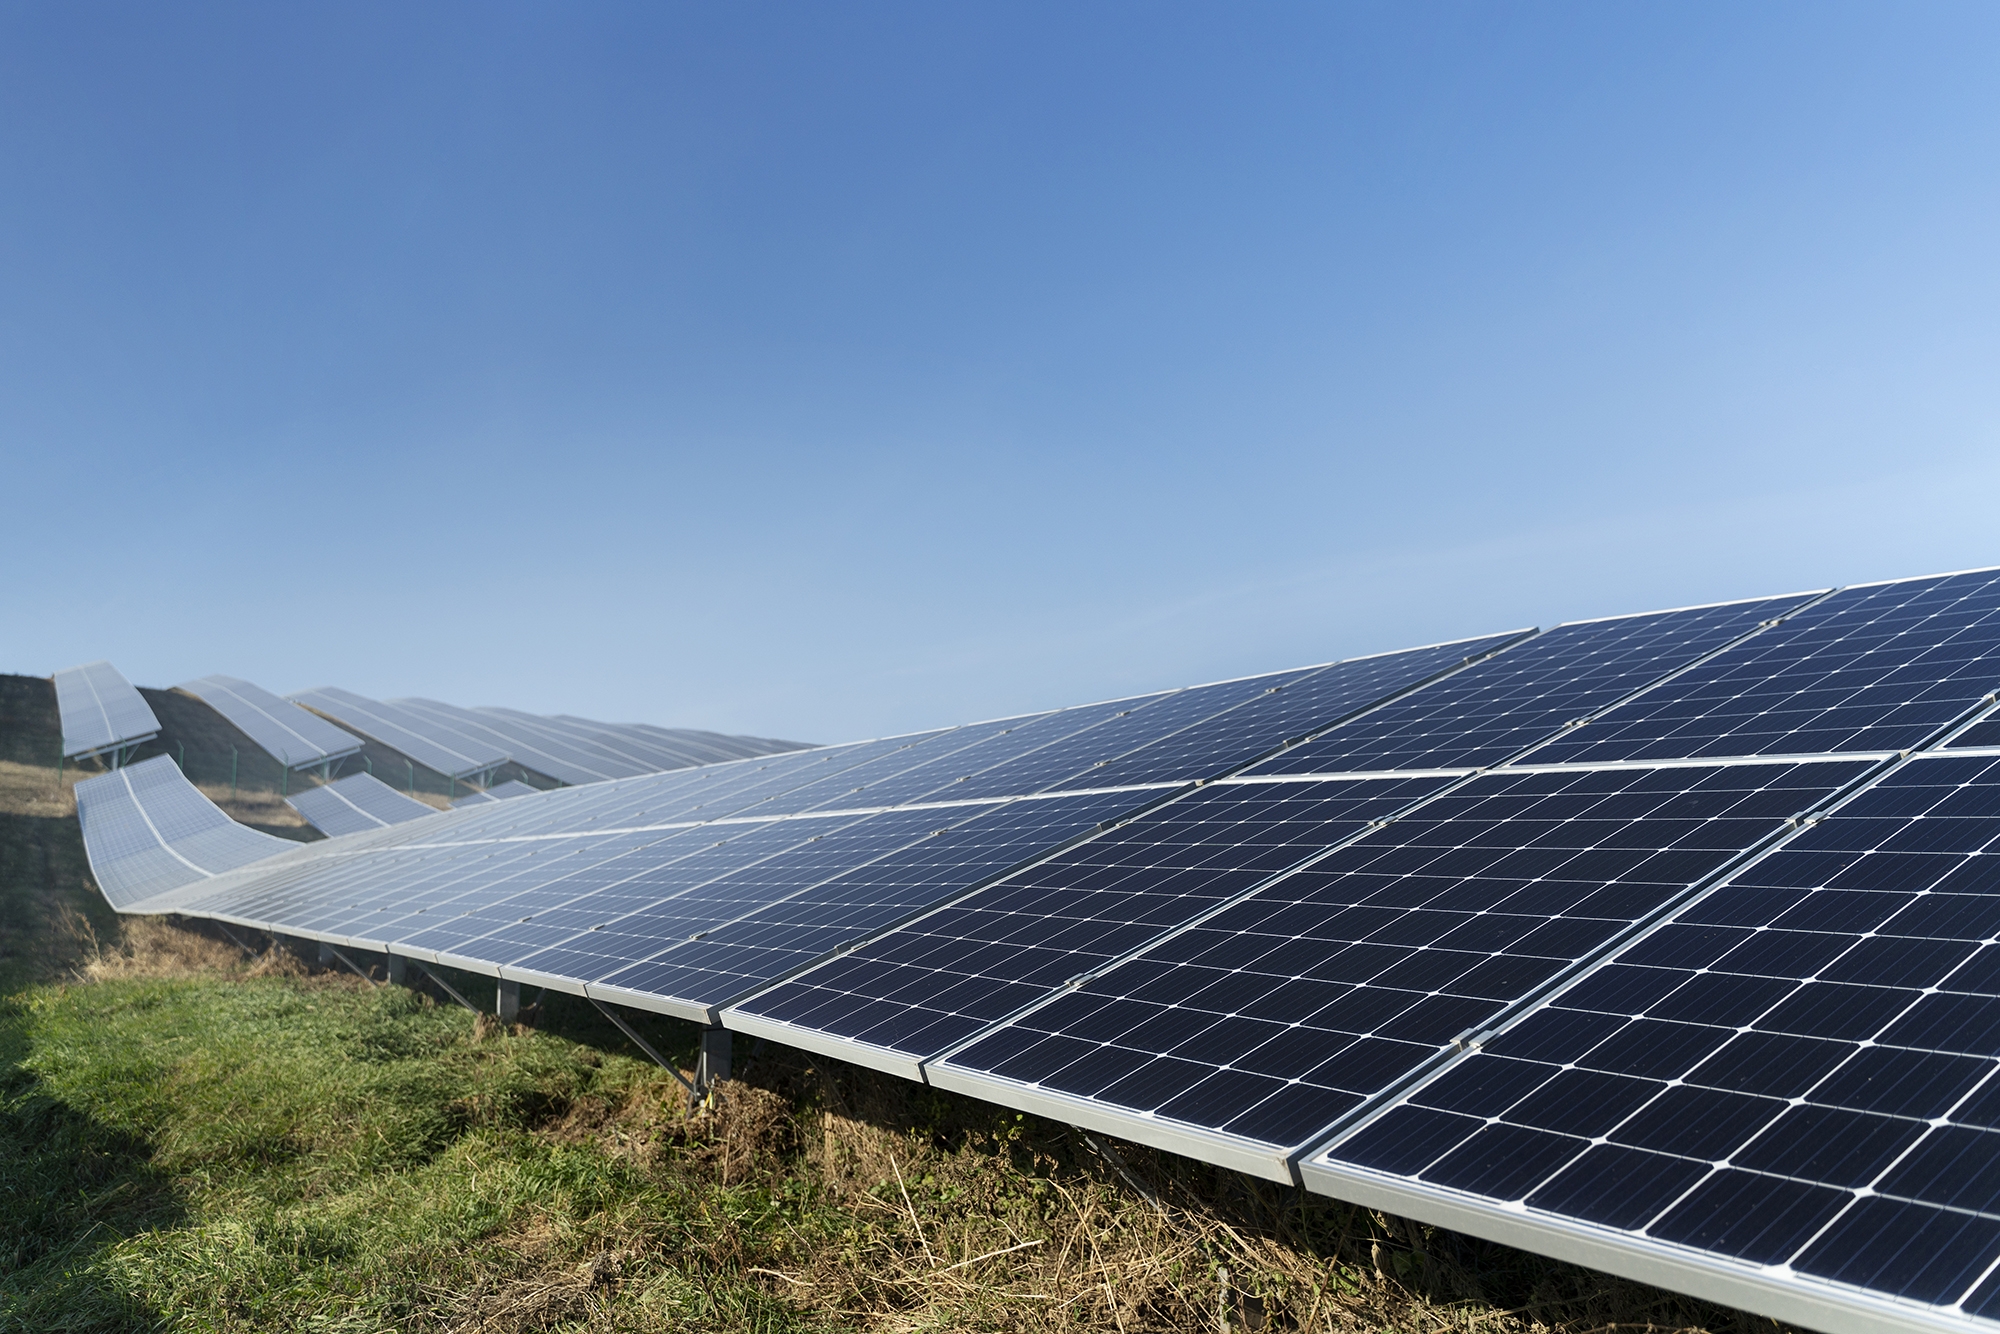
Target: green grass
x,y
244,1152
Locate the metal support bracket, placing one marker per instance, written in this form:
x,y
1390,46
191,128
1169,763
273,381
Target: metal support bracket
x,y
328,953
696,1091
507,1001
450,990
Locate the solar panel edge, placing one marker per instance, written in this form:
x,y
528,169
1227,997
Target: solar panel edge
x,y
885,1060
1771,1291
1811,596
1270,1162
1920,578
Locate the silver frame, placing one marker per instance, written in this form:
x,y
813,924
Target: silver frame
x,y
1770,1290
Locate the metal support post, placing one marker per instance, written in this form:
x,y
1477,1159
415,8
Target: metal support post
x,y
232,773
507,1001
413,777
714,1063
183,761
325,954
397,971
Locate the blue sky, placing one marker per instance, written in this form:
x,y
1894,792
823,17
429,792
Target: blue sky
x,y
827,371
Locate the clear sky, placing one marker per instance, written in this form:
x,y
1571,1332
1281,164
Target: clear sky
x,y
824,371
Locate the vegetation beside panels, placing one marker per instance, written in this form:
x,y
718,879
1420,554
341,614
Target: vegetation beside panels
x,y
195,1137
30,726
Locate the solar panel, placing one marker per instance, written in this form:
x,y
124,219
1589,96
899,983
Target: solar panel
x,y
146,829
100,710
1874,667
1784,1094
1256,1029
356,803
506,791
764,944
287,733
1491,711
436,746
908,994
1286,713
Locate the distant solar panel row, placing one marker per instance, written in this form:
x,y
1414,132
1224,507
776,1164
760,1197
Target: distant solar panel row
x,y
289,734
460,743
1609,943
100,710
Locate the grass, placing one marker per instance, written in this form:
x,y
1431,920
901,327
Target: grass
x,y
192,1138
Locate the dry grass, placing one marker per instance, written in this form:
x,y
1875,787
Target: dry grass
x,y
32,790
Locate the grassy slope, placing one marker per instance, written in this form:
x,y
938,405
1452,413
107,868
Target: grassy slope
x,y
191,1139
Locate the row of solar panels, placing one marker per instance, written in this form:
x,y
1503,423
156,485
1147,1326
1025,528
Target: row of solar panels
x,y
1666,943
101,712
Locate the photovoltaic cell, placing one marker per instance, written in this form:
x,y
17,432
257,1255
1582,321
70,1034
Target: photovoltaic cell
x,y
287,733
1284,712
356,803
1491,711
1873,668
914,991
1286,1011
100,710
1797,1069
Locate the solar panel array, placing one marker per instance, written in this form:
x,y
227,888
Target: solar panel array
x,y
356,803
287,733
437,746
681,891
1664,943
100,710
